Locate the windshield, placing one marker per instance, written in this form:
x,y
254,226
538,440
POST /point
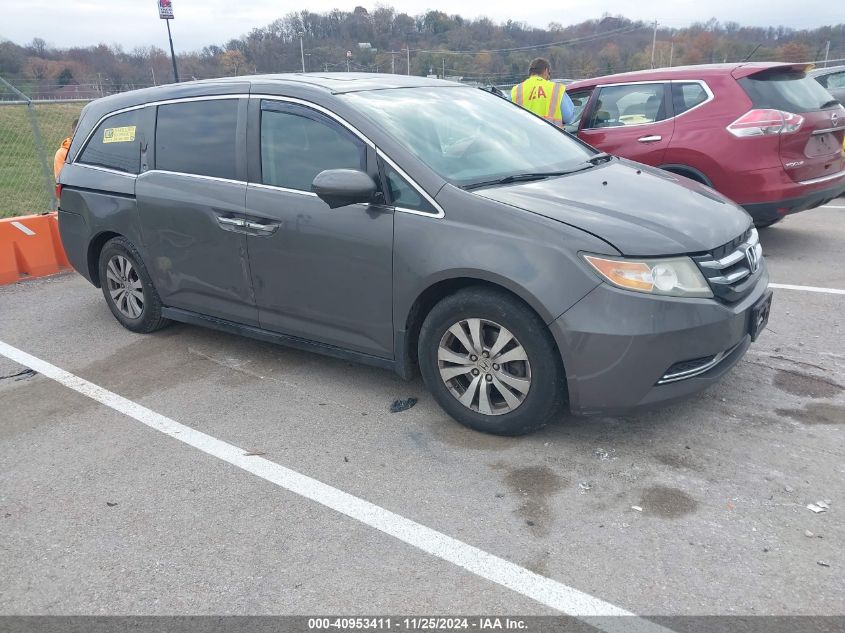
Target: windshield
x,y
469,136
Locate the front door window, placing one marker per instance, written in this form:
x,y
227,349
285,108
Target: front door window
x,y
295,147
628,105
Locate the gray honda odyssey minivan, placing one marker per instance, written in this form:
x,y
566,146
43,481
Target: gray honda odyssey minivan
x,y
413,223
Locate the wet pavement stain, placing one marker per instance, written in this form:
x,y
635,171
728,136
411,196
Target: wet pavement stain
x,y
158,362
805,385
816,413
38,402
679,462
665,502
534,486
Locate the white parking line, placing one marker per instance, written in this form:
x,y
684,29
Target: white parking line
x,y
523,581
833,206
830,291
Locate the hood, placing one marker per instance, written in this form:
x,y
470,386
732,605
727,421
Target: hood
x,y
639,210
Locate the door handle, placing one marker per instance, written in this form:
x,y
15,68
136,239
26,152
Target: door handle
x,y
267,229
650,139
238,222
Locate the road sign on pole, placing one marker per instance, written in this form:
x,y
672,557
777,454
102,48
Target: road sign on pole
x,y
165,9
165,12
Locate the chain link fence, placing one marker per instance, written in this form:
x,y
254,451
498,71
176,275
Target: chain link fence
x,y
30,134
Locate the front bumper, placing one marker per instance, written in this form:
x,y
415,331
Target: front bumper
x,y
617,345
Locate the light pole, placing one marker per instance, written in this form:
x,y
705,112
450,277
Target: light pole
x,y
654,43
302,49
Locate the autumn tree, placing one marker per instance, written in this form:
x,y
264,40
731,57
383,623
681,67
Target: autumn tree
x,y
794,52
609,58
233,61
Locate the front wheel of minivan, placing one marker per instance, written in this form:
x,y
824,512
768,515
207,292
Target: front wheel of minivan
x,y
491,363
128,289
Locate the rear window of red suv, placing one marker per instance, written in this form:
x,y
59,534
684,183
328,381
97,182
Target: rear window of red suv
x,y
786,90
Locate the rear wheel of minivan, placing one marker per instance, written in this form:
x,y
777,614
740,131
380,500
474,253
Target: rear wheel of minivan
x,y
491,362
128,289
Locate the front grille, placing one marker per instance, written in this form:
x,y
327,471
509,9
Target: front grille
x,y
728,268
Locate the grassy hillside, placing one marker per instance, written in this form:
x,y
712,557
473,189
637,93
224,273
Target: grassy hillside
x,y
22,188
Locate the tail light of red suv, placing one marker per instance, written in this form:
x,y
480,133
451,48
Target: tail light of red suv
x,y
765,122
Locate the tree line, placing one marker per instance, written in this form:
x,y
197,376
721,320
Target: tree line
x,y
437,43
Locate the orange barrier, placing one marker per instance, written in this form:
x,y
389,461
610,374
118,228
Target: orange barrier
x,y
30,246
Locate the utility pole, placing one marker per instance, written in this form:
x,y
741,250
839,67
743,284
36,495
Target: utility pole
x,y
302,49
348,59
826,52
153,71
672,50
408,54
443,76
392,62
653,43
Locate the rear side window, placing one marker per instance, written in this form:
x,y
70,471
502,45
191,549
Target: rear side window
x,y
685,96
116,143
835,80
296,147
628,105
198,137
785,90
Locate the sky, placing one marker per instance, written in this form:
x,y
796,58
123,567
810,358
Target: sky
x,y
134,23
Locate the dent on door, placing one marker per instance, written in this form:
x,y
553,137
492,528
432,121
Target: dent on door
x,y
196,244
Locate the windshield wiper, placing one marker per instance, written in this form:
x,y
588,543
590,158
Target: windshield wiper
x,y
592,161
540,175
832,102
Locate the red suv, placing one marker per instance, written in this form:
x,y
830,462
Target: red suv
x,y
765,135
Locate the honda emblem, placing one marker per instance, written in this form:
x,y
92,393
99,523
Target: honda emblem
x,y
753,258
834,119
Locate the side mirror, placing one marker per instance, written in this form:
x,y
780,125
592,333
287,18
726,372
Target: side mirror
x,y
342,187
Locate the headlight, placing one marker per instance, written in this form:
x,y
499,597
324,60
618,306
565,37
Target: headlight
x,y
674,277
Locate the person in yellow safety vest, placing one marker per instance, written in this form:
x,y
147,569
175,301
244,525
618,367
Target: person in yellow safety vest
x,y
544,97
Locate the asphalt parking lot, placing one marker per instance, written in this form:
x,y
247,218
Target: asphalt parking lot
x,y
699,508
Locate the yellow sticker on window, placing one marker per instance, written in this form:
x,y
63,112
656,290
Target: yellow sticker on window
x,y
119,134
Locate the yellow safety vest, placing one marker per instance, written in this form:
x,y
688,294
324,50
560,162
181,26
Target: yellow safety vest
x,y
540,96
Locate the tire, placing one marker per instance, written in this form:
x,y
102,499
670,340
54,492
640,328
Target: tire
x,y
766,223
476,314
700,179
128,289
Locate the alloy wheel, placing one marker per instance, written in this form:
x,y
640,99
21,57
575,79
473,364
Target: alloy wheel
x,y
484,366
125,286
